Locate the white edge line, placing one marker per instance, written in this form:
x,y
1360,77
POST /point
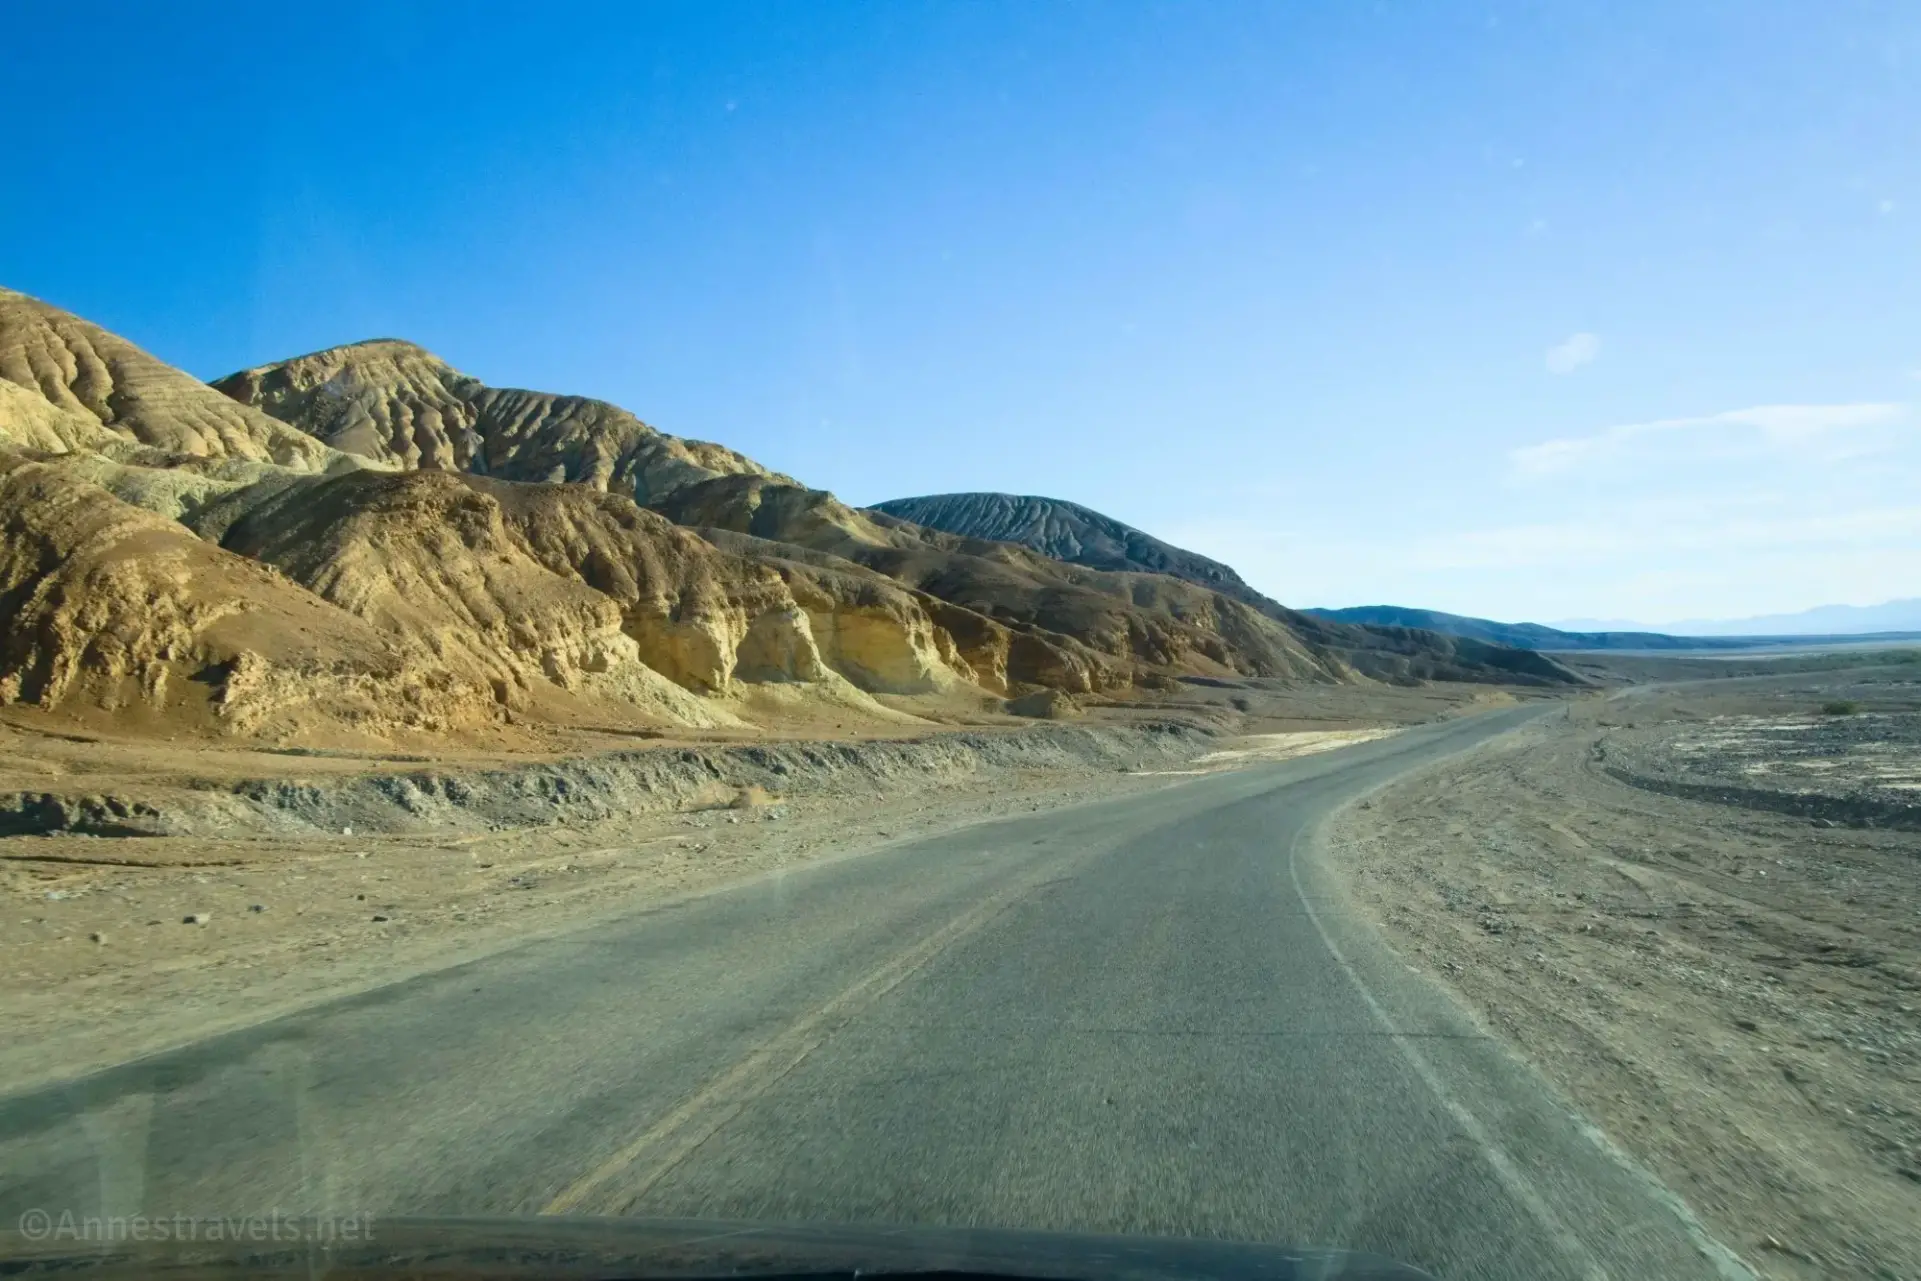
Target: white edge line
x,y
1726,1262
1496,1156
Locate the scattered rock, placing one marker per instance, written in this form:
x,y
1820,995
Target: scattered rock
x,y
753,796
196,918
1044,704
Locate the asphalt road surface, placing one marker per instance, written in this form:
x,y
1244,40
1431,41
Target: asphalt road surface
x,y
1145,1015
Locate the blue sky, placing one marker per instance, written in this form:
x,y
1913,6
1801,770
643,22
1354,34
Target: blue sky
x,y
1521,310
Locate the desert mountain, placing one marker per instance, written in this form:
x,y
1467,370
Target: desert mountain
x,y
367,545
1129,608
171,554
69,385
1015,618
1073,629
402,406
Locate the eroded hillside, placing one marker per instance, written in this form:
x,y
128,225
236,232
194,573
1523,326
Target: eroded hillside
x,y
179,562
403,406
1060,530
67,384
1015,616
935,610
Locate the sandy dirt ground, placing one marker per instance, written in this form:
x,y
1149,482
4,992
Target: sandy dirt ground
x,y
1252,749
115,947
1732,995
129,946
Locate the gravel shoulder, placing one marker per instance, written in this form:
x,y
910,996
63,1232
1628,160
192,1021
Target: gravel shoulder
x,y
1731,993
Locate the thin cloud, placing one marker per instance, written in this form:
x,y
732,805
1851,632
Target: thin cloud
x,y
1776,426
1601,541
1578,350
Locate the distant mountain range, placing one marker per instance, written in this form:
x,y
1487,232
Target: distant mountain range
x,y
1539,637
1823,620
1524,635
1079,535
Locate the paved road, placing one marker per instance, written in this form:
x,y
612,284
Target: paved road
x,y
1140,1015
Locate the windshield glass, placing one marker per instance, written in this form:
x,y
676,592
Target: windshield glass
x,y
736,628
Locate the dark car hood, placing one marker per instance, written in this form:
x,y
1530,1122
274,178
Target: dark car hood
x,y
673,1250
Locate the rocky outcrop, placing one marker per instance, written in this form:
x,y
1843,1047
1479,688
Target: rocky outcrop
x,y
426,559
1067,627
546,603
107,608
1044,704
690,608
969,643
577,583
715,615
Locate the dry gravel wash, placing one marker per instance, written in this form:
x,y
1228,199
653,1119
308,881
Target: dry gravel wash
x,y
1860,769
1733,995
1138,1015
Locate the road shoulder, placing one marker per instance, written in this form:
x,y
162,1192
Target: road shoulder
x,y
1679,971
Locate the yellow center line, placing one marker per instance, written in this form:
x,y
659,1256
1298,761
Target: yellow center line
x,y
670,1140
